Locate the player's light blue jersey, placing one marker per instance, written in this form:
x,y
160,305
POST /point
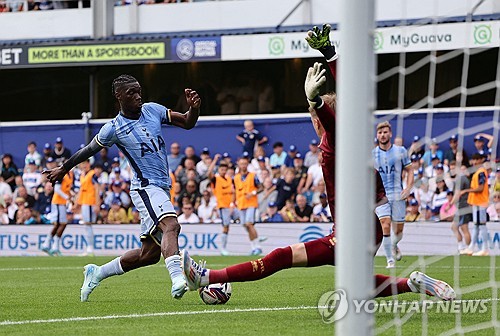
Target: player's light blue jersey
x,y
142,144
390,165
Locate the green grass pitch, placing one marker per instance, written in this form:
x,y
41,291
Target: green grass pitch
x,y
45,288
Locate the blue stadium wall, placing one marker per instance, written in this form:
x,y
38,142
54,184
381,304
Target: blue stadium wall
x,y
219,135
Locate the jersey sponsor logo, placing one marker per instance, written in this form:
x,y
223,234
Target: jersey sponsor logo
x,y
154,147
387,169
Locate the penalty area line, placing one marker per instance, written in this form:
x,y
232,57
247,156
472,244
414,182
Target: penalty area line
x,y
195,312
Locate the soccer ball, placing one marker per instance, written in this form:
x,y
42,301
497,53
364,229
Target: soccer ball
x,y
213,294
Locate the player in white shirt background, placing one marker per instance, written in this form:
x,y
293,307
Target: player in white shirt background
x,y
390,161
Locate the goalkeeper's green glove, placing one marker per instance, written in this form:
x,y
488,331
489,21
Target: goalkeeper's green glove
x,y
320,40
314,80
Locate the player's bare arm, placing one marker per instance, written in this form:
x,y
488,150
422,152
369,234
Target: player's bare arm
x,y
410,179
83,154
188,120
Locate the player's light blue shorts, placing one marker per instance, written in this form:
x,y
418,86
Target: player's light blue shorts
x,y
225,216
383,210
478,214
153,204
398,211
247,215
88,214
58,214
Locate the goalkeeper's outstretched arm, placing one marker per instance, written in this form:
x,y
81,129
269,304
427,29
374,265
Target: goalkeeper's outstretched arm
x,y
319,39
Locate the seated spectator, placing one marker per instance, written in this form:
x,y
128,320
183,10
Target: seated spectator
x,y
271,215
250,137
9,170
118,175
43,199
412,212
321,211
254,163
318,190
102,216
189,153
20,213
202,166
398,141
278,157
302,209
300,171
479,140
188,216
439,171
117,193
60,153
493,209
191,192
47,153
448,209
10,206
32,177
175,157
439,198
433,151
207,211
286,188
4,218
262,170
182,172
430,170
451,154
314,176
32,155
22,192
267,195
117,215
103,160
292,153
4,188
312,155
134,217
288,212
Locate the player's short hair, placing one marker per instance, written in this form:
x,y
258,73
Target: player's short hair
x,y
120,81
384,125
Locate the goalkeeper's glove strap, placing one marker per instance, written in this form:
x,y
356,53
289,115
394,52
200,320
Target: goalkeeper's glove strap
x,y
316,102
329,53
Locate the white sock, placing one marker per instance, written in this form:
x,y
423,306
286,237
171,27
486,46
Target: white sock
x,y
111,268
224,240
386,243
473,239
255,244
48,240
461,245
173,264
55,243
89,235
484,236
412,286
205,279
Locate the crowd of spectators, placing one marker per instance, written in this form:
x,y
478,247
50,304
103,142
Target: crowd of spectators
x,y
439,179
291,188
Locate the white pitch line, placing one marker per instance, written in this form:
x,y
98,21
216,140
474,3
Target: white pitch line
x,y
198,312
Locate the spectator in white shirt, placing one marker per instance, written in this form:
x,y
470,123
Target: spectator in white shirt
x,y
207,210
188,216
312,155
32,178
32,155
4,188
279,156
321,211
202,166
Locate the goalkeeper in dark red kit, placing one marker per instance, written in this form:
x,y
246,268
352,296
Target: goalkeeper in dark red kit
x,y
320,251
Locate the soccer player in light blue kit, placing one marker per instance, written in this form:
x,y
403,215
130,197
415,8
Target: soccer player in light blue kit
x,y
136,131
391,160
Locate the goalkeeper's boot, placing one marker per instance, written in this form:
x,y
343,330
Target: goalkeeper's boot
x,y
91,280
421,283
179,287
193,271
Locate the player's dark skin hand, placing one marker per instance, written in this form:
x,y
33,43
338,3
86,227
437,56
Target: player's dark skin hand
x,y
193,99
55,174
